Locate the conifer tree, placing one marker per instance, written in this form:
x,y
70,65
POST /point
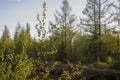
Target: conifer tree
x,y
65,24
95,20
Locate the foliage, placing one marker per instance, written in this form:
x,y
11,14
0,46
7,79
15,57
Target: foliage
x,y
40,27
65,28
63,53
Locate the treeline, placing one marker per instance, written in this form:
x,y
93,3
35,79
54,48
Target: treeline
x,y
63,45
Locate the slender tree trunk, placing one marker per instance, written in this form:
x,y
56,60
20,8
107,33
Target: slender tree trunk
x,y
99,37
95,32
65,46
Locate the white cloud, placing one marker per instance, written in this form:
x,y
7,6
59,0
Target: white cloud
x,y
16,0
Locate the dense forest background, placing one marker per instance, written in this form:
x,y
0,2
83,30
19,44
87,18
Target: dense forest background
x,y
67,49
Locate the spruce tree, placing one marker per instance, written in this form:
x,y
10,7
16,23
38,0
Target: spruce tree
x,y
94,21
65,24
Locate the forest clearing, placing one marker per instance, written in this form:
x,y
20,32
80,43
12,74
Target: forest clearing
x,y
68,48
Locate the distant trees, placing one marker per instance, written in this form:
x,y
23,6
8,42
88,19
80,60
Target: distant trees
x,y
13,65
116,31
49,56
65,24
22,39
95,21
117,12
6,44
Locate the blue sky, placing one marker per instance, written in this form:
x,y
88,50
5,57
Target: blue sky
x,y
23,11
